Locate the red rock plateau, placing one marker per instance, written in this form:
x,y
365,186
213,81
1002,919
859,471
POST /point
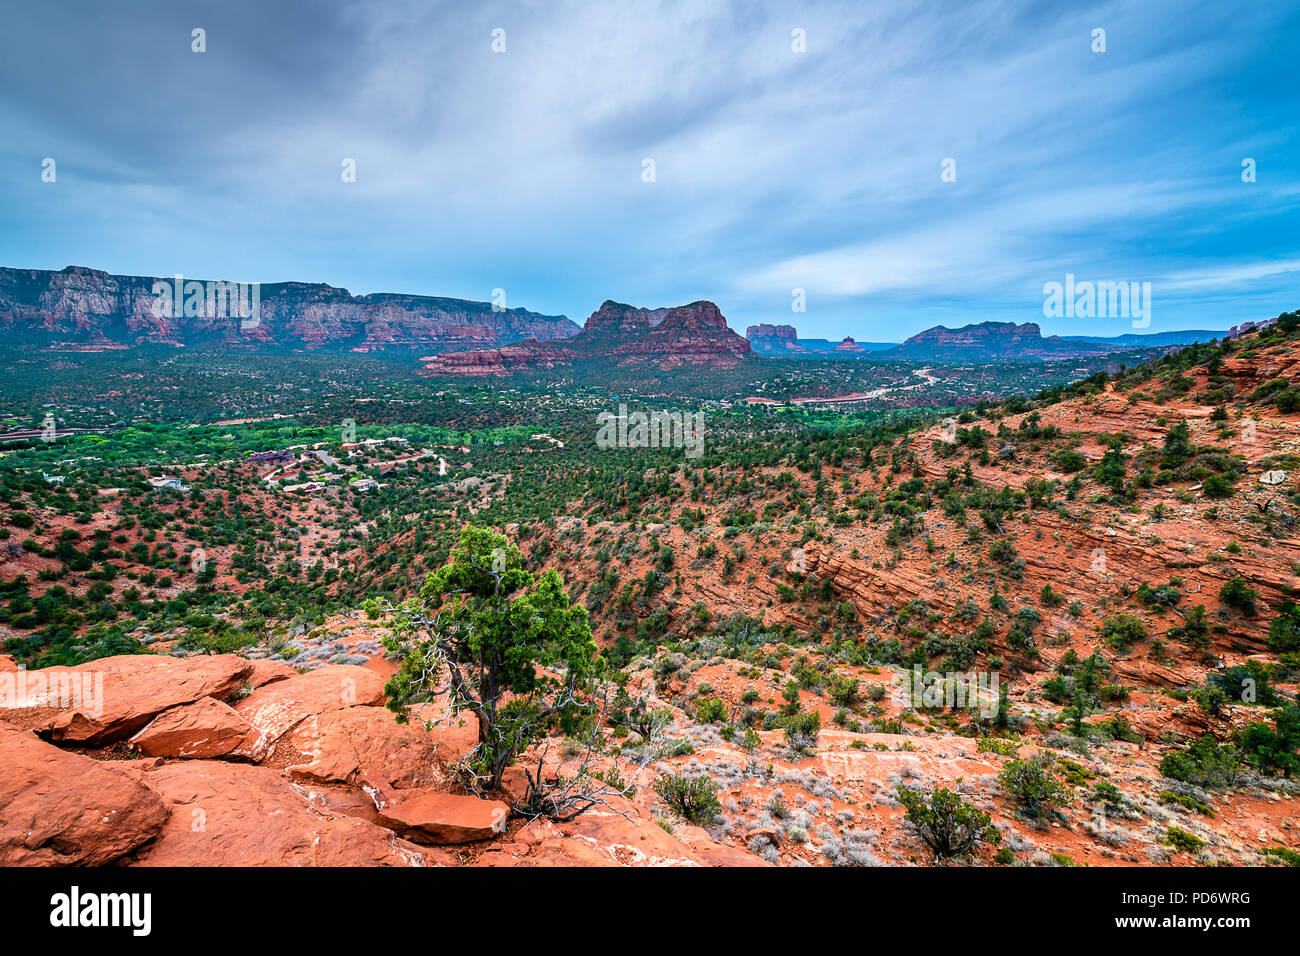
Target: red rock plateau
x,y
775,340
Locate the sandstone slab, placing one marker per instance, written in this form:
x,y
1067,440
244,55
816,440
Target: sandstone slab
x,y
204,729
429,816
236,814
276,708
63,809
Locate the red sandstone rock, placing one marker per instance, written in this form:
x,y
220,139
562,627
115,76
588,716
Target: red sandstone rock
x,y
695,333
204,729
275,708
367,744
268,672
112,698
63,809
231,814
429,816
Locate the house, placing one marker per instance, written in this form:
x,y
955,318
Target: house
x,y
363,484
173,483
271,457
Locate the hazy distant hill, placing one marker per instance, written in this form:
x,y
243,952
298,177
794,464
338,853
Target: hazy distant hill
x,y
1010,342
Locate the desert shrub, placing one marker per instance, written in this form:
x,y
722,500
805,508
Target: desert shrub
x,y
1205,762
710,710
1236,594
1033,784
1122,631
801,730
1180,839
1273,750
1284,631
695,798
948,825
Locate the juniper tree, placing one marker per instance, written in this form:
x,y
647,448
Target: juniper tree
x,y
499,642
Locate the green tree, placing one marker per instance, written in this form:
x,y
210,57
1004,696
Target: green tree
x,y
506,646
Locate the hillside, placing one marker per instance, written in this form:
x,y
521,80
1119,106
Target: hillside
x,y
1120,552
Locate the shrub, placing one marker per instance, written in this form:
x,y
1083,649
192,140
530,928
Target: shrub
x,y
1205,762
1284,631
1122,631
1236,594
1032,783
695,798
948,825
1273,750
1217,487
801,730
1180,839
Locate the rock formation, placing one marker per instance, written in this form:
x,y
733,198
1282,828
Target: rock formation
x,y
694,334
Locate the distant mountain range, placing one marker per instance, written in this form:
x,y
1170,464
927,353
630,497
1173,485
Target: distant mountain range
x,y
88,310
92,310
977,343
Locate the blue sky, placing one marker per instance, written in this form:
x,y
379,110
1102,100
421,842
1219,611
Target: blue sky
x,y
774,169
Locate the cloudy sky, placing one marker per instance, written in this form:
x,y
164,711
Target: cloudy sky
x,y
774,168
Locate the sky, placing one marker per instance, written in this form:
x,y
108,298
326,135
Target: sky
x,y
888,166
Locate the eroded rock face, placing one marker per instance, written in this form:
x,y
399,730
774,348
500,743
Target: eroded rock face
x,y
774,339
63,809
229,814
112,698
687,334
363,746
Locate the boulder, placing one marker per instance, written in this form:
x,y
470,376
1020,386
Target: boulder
x,y
204,729
362,744
63,809
268,672
276,708
107,700
237,814
426,815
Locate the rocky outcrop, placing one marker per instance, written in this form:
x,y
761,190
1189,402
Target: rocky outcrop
x,y
695,334
774,340
277,708
229,814
204,729
1009,342
110,699
87,308
848,345
63,809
